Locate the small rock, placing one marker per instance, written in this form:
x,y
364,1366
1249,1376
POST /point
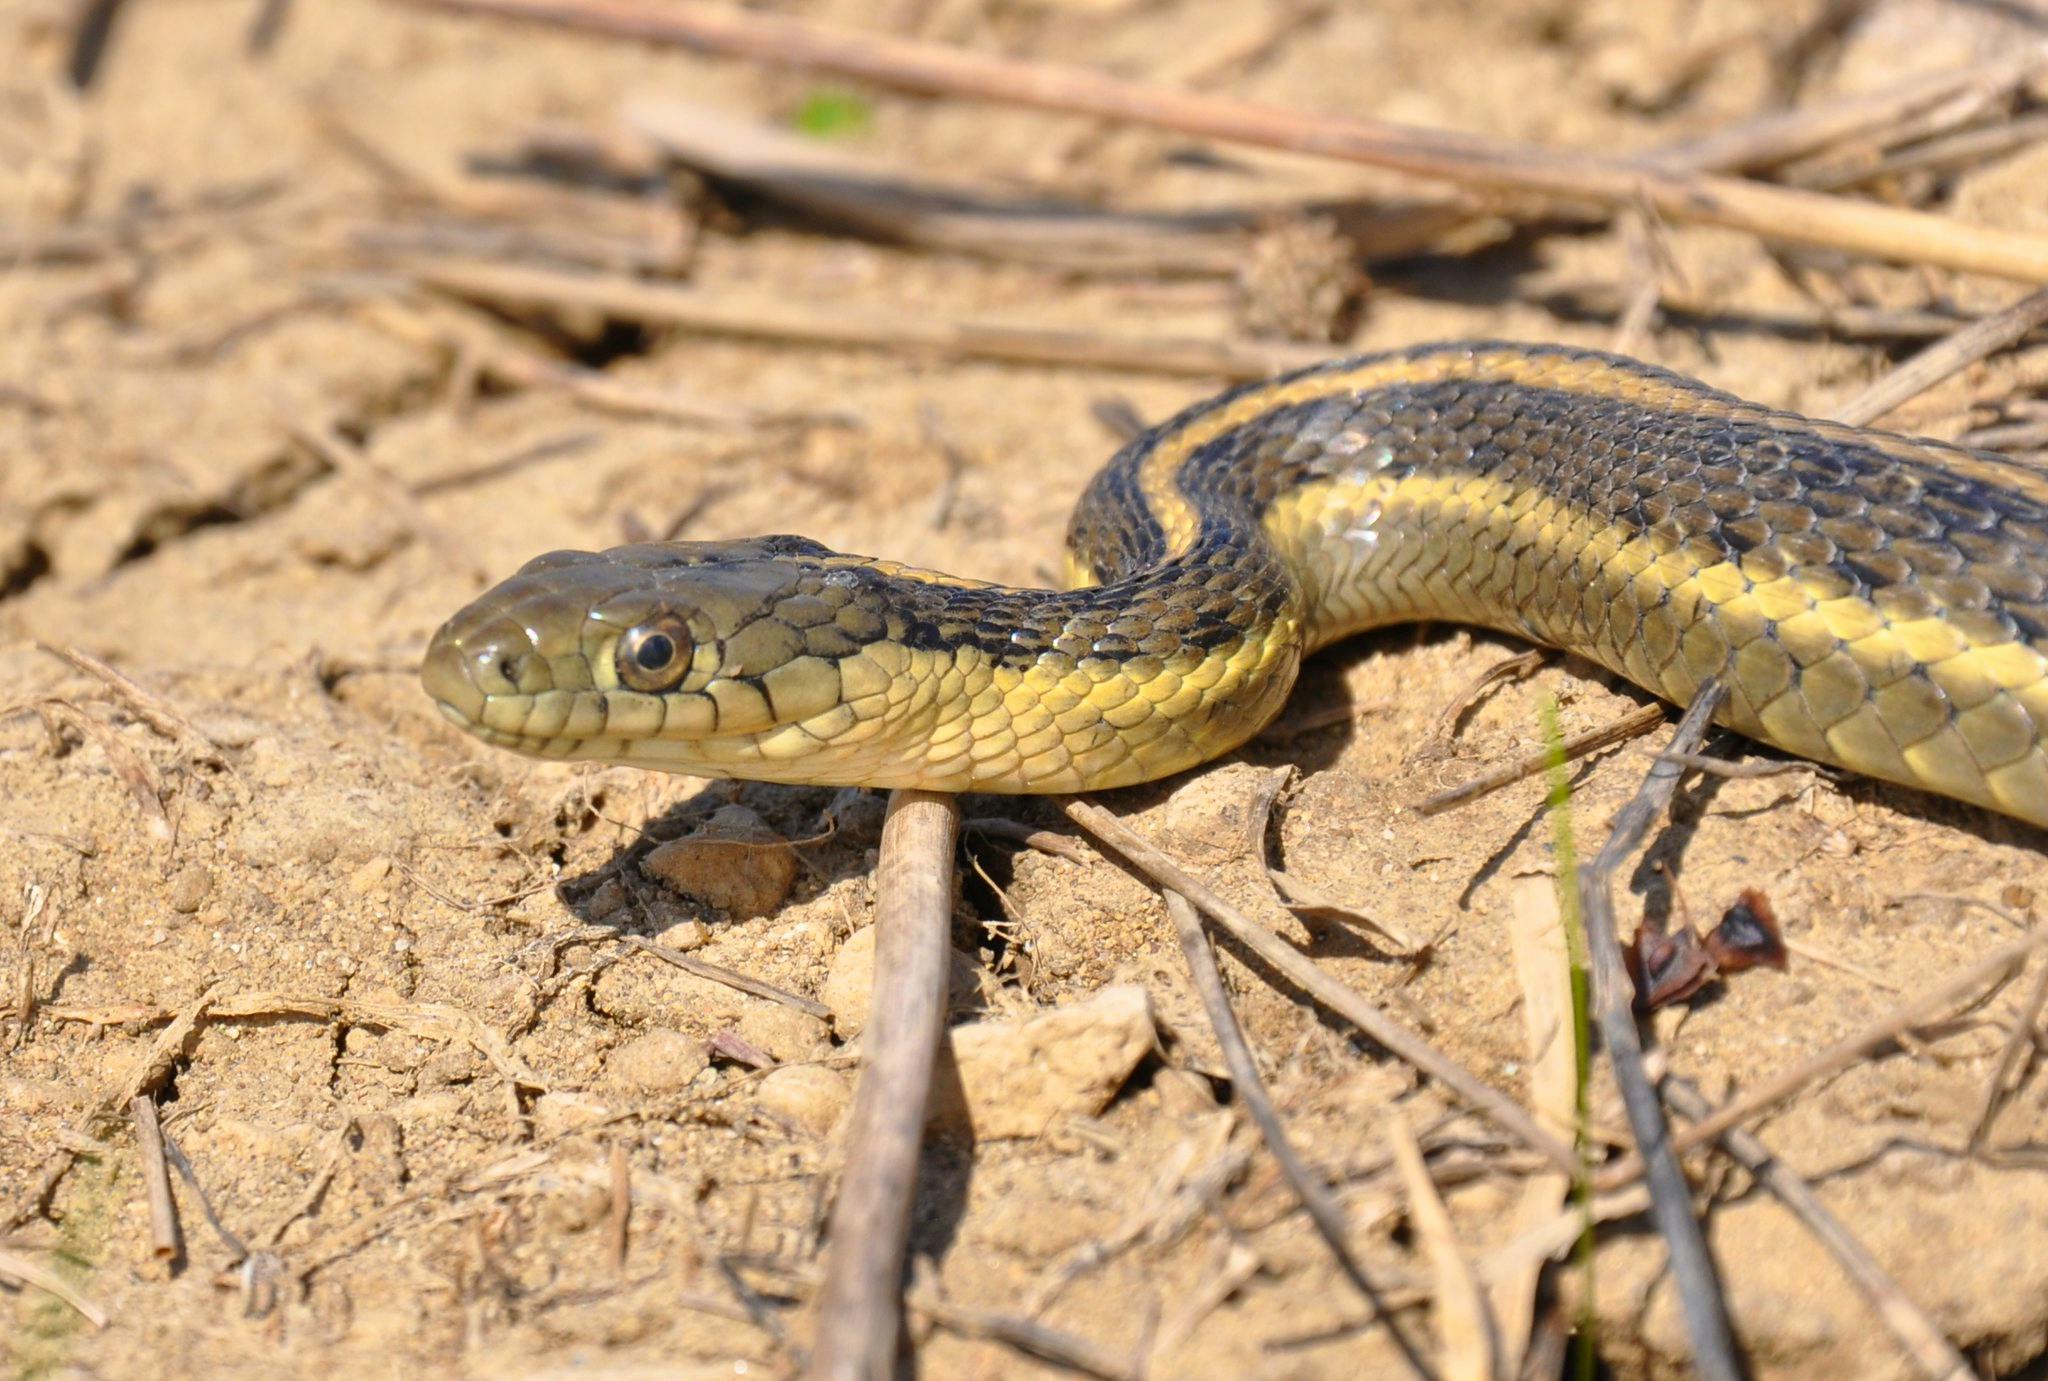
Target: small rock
x,y
189,889
733,862
576,1207
786,1034
1183,1093
1016,1078
659,1061
371,877
556,1114
685,935
850,982
811,1096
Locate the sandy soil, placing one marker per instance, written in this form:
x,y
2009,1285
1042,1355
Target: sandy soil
x,y
436,1044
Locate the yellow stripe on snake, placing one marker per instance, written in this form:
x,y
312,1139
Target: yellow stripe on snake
x,y
1872,601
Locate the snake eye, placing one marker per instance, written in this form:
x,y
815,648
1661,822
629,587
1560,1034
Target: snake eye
x,y
654,655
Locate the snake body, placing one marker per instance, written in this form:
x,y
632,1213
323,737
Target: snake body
x,y
1872,601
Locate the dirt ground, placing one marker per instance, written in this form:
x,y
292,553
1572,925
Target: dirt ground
x,y
251,464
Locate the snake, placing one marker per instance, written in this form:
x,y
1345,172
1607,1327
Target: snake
x,y
1871,601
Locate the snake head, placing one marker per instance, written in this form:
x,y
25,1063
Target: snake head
x,y
703,657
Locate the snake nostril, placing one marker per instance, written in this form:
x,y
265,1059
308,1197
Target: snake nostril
x,y
509,667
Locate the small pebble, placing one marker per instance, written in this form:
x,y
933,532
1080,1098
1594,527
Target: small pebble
x,y
786,1034
1183,1093
850,982
811,1096
1017,1078
685,935
659,1061
189,889
370,877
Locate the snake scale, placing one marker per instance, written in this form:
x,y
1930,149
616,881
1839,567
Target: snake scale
x,y
1873,601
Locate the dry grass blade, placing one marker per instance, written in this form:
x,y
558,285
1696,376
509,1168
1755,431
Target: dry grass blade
x,y
739,982
428,1020
150,708
1632,725
131,767
860,1313
1543,974
758,316
1323,1210
1930,1351
1950,355
1305,899
1783,135
1503,672
20,1268
1471,1349
1481,1097
1692,1269
1776,213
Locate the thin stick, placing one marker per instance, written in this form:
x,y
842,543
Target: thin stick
x,y
1248,1084
1631,725
1045,841
1950,355
860,1313
907,204
1783,135
1481,1097
1692,1269
1905,1318
1506,670
355,464
1776,213
783,318
1759,767
739,982
166,1241
1838,1056
2018,1046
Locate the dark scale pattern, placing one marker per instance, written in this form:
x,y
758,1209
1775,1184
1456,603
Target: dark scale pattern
x,y
1879,516
1511,476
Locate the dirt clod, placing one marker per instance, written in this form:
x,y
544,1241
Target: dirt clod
x,y
734,862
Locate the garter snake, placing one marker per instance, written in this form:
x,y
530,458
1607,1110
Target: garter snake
x,y
1872,601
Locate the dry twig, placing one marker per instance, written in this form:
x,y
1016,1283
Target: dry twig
x,y
782,318
739,982
1950,355
1699,1290
1780,214
1323,1211
1484,1099
165,1239
1886,1029
860,1312
1922,1338
1631,725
